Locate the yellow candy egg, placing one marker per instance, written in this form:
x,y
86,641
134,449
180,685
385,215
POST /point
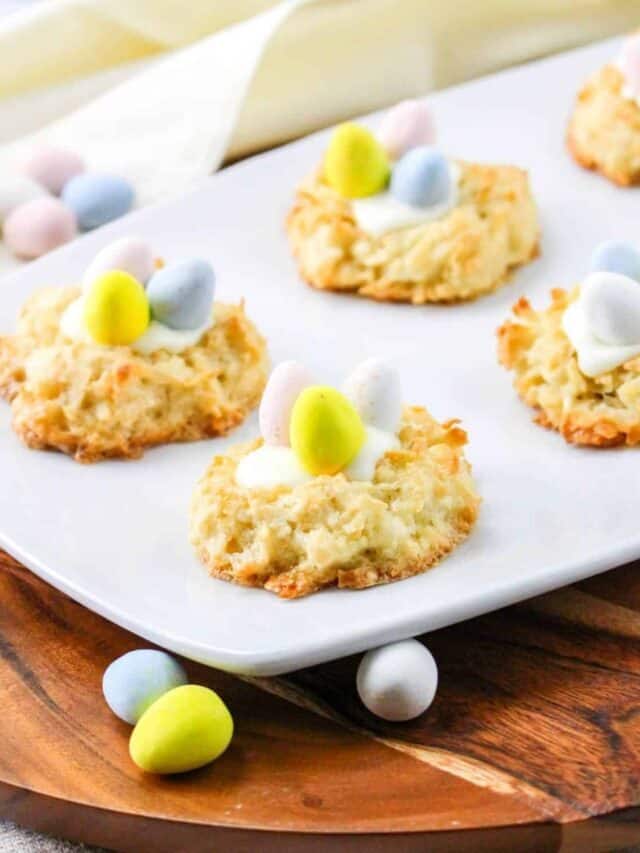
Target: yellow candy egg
x,y
116,309
356,164
325,430
184,729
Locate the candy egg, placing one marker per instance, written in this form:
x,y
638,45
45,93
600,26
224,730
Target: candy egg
x,y
116,309
421,178
186,728
405,126
629,63
325,430
181,294
134,681
97,199
611,305
53,167
398,682
374,389
356,164
128,254
617,257
16,189
285,384
38,227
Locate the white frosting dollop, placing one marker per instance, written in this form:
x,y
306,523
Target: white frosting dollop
x,y
594,356
157,337
381,213
271,465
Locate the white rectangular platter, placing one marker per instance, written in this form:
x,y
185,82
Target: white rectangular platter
x,y
114,535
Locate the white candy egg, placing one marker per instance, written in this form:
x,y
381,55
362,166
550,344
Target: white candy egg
x,y
374,389
129,254
398,682
611,305
285,384
406,126
17,189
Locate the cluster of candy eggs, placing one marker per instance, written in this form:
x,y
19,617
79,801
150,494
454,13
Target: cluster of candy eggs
x,y
51,196
611,294
124,291
177,726
402,158
326,428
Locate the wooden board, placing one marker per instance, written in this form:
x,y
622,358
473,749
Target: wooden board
x,y
535,728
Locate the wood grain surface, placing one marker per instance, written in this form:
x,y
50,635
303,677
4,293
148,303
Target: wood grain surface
x,y
536,727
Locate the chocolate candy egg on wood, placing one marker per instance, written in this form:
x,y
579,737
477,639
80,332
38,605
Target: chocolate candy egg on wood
x,y
398,682
129,254
184,729
374,389
181,294
355,163
53,167
421,178
611,305
134,681
325,430
97,198
285,384
15,190
37,227
405,126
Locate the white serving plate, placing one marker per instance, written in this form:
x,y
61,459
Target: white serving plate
x,y
114,535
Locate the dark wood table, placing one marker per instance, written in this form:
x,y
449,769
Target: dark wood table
x,y
532,744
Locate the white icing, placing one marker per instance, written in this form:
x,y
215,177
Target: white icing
x,y
594,356
381,213
157,337
270,466
274,465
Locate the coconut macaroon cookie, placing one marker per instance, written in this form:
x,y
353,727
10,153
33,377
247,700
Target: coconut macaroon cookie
x,y
136,356
345,489
577,362
604,130
392,218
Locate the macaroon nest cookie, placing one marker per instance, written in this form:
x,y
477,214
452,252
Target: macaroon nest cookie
x,y
95,402
600,411
335,531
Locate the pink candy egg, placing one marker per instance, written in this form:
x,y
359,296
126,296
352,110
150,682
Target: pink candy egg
x,y
130,254
53,167
629,63
285,384
38,227
405,126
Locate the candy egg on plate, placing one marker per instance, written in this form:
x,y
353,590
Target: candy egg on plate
x,y
37,227
184,729
398,682
132,682
129,254
405,126
181,294
116,309
421,178
616,256
98,198
611,305
17,189
286,382
374,389
355,163
325,430
53,167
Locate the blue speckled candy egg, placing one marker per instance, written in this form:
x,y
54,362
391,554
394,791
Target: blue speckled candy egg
x,y
181,294
619,257
97,198
421,178
133,682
